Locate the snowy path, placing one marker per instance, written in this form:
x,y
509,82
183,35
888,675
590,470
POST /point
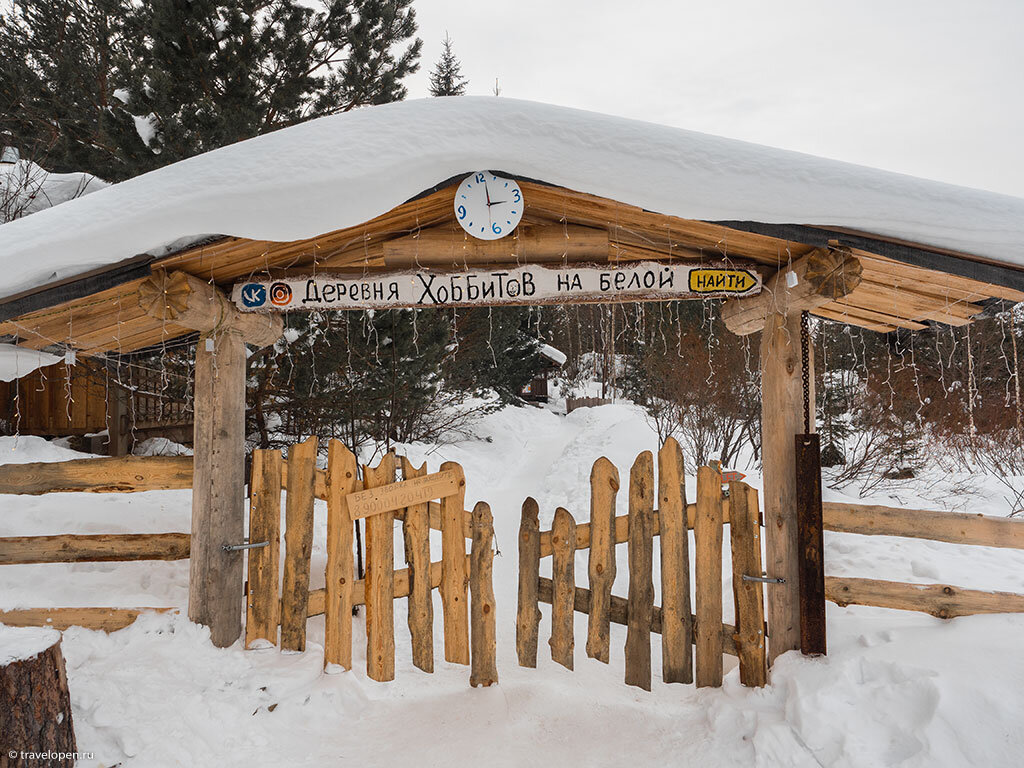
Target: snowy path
x,y
897,689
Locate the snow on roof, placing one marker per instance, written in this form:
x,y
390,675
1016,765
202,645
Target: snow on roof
x,y
16,361
554,355
342,170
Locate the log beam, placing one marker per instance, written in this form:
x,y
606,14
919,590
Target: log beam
x,y
823,275
183,299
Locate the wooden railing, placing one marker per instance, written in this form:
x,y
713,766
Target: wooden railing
x,y
942,600
116,475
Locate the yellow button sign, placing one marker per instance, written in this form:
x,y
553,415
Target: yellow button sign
x,y
722,280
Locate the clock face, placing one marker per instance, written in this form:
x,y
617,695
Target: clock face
x,y
488,206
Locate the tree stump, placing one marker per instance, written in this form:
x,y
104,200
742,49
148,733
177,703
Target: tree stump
x,y
35,706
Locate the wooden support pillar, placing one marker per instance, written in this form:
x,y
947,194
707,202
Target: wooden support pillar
x,y
781,419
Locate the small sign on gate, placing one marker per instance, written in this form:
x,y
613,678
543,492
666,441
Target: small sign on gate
x,y
406,493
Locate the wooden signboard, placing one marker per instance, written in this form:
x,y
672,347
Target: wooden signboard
x,y
533,284
407,493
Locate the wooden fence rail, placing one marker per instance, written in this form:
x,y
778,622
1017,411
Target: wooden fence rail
x,y
940,600
97,548
128,474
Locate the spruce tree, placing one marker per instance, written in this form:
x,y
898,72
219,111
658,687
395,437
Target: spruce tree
x,y
446,77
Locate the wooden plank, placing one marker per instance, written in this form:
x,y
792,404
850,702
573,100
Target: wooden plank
x,y
106,619
126,474
781,418
563,576
263,607
745,540
298,544
527,613
641,569
940,600
483,642
407,493
416,533
604,486
952,527
811,545
95,548
674,543
708,541
218,496
380,579
620,610
342,479
454,577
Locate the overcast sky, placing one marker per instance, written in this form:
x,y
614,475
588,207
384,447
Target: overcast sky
x,y
930,88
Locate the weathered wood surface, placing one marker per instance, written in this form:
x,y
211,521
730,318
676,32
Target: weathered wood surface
x,y
416,534
952,527
409,492
298,544
708,543
811,545
97,548
781,418
263,606
745,541
483,641
342,479
106,619
126,474
527,612
641,572
674,544
823,275
620,609
380,579
455,577
563,576
941,600
218,487
35,709
604,486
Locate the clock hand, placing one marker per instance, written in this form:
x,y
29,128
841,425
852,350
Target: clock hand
x,y
487,192
498,202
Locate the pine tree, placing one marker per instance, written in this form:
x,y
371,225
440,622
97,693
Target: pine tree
x,y
446,76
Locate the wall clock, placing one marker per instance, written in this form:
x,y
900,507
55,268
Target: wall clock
x,y
488,206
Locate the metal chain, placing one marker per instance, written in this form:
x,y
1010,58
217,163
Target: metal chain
x,y
805,373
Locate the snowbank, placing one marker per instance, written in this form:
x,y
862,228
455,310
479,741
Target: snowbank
x,y
20,643
345,169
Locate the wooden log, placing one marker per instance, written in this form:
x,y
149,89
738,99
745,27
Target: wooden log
x,y
532,244
781,418
811,545
483,641
342,479
416,534
940,600
677,629
218,495
96,548
745,540
527,613
604,486
298,544
106,619
708,541
380,579
127,474
263,605
185,300
953,527
620,610
823,275
563,576
35,705
454,577
641,569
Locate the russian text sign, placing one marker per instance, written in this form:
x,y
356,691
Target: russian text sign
x,y
589,283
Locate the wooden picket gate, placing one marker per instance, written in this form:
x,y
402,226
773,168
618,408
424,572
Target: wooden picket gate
x,y
380,500
681,631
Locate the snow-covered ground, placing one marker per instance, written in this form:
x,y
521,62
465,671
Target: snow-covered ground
x,y
897,689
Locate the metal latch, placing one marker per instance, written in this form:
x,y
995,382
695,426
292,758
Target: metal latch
x,y
765,579
247,545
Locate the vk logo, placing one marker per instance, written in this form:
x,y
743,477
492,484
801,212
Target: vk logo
x,y
254,295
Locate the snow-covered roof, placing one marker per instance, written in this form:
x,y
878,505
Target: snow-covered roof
x,y
345,169
16,361
556,356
